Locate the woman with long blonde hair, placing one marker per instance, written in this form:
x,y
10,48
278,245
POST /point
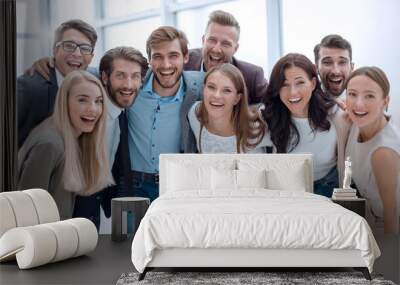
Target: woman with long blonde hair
x,y
223,122
66,153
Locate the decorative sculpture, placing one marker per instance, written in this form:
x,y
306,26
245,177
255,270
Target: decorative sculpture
x,y
347,173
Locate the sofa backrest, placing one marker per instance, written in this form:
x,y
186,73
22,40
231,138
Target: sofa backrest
x,y
283,171
26,208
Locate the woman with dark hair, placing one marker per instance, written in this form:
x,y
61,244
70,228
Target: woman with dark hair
x,y
302,119
223,121
374,147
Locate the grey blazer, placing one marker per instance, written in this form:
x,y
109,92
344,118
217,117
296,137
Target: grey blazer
x,y
41,165
253,75
194,92
35,102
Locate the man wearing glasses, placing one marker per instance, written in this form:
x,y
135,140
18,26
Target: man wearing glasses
x,y
74,42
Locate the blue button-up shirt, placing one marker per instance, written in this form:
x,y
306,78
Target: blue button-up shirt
x,y
154,127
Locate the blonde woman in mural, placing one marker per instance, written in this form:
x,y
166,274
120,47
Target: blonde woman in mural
x,y
66,153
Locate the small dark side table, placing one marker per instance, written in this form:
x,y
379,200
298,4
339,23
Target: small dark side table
x,y
357,205
136,205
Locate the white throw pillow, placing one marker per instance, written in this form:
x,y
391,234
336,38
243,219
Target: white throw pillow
x,y
188,177
227,179
292,179
251,178
282,173
223,179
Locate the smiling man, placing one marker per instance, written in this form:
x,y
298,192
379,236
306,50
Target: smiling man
x,y
73,47
220,43
158,119
333,58
122,70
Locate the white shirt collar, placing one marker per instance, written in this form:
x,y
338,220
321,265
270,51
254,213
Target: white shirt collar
x,y
343,95
59,77
202,66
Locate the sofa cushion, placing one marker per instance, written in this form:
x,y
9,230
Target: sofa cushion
x,y
40,244
26,208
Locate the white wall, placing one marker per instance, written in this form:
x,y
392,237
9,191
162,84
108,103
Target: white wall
x,y
37,21
31,42
371,26
250,14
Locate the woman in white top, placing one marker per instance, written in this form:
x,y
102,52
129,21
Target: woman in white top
x,y
302,119
223,122
374,146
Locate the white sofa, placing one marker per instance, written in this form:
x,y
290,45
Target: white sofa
x,y
247,210
31,231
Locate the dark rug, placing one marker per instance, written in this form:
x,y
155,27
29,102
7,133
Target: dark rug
x,y
229,278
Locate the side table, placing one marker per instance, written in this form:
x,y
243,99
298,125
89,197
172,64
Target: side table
x,y
136,205
357,205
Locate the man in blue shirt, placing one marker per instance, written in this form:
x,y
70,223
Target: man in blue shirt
x,y
158,120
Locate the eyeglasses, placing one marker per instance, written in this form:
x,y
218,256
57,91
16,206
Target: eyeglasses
x,y
70,47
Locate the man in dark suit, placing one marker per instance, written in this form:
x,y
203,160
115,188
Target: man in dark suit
x,y
220,43
74,43
73,47
122,70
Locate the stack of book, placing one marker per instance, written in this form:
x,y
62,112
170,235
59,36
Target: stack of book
x,y
344,194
